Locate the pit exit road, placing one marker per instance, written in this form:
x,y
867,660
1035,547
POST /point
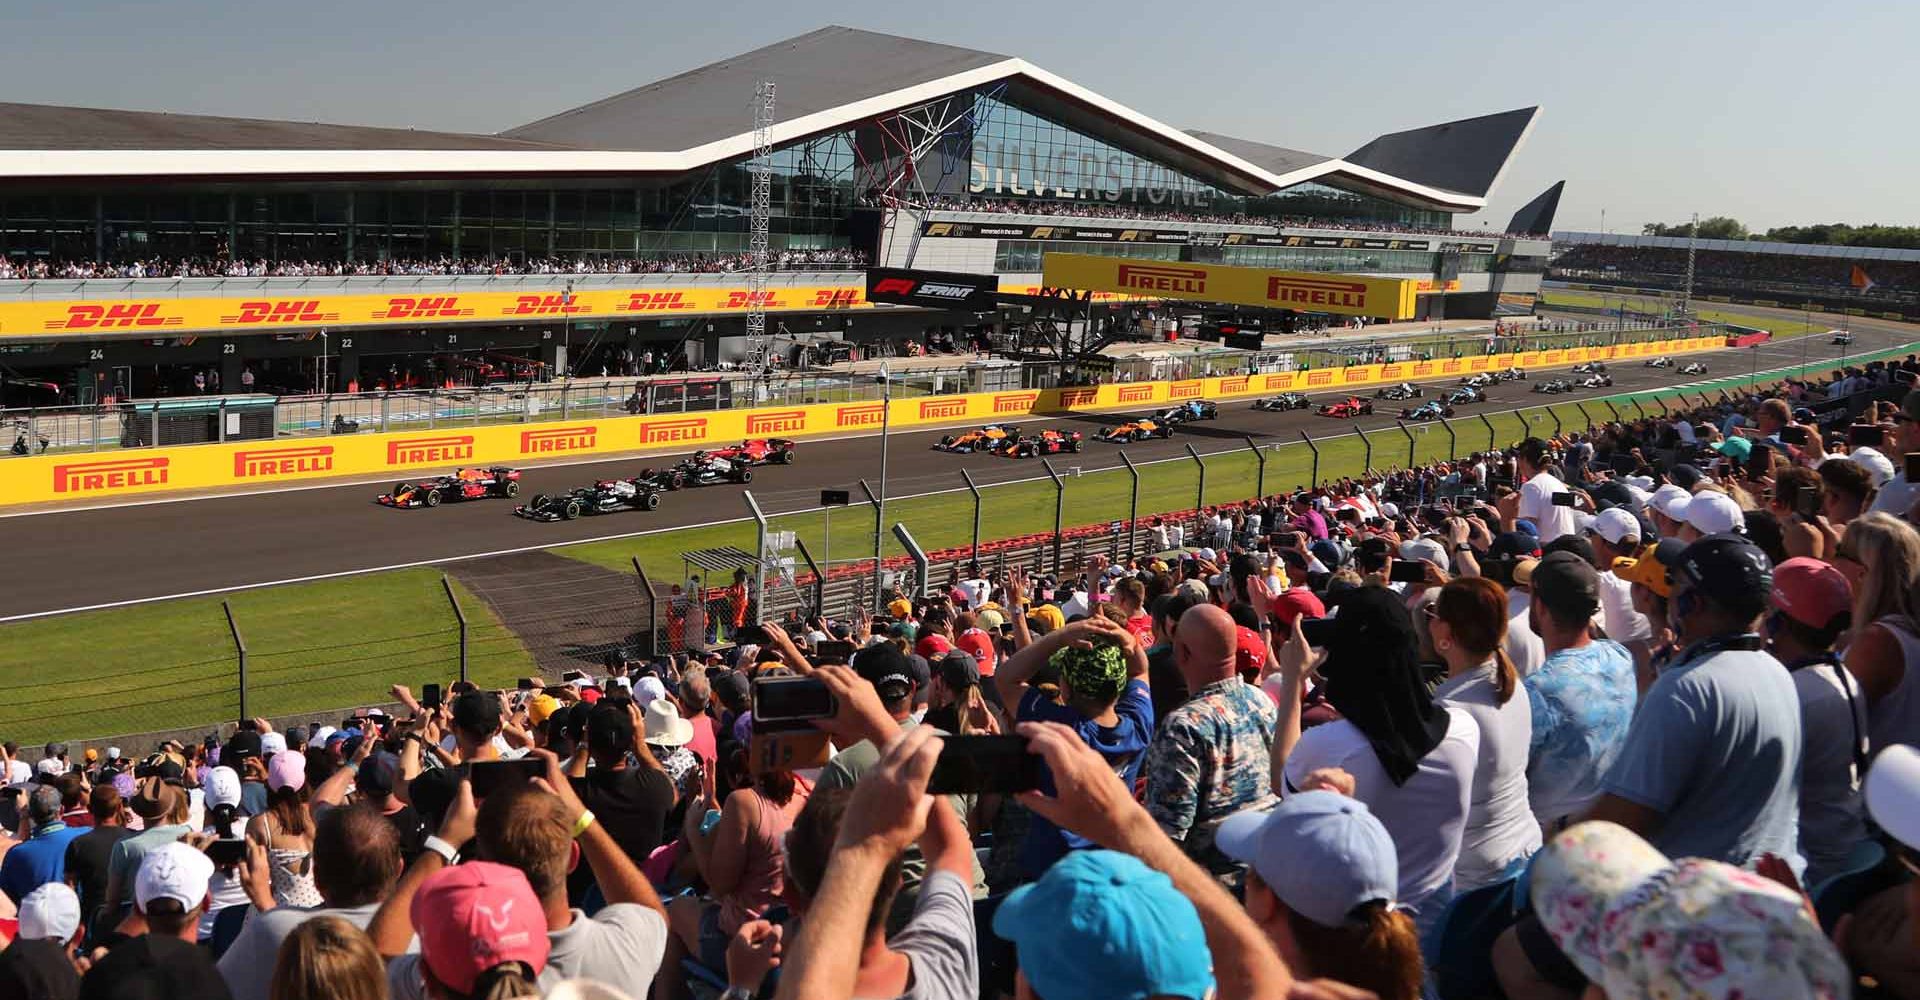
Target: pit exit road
x,y
68,560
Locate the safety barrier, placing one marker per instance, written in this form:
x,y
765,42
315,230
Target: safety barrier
x,y
227,465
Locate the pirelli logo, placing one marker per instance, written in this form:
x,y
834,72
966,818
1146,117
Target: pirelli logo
x,y
1228,386
125,315
1159,278
423,307
1136,393
779,422
264,463
1393,371
1322,377
1357,373
942,409
556,304
1552,357
655,302
1070,398
279,311
1449,367
1422,368
559,440
108,477
668,431
1316,292
1015,402
430,450
860,415
1184,390
1281,381
1480,364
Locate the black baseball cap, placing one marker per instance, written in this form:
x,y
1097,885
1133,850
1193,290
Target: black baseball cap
x,y
1513,546
477,712
376,776
1568,586
1685,476
240,746
885,667
609,729
958,669
1728,570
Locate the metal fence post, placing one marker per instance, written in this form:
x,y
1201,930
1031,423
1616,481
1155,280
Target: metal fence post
x,y
1556,419
1636,405
879,577
1410,445
1483,419
1260,476
975,490
1453,441
1584,415
819,576
1704,401
1366,464
1133,505
653,608
921,564
1612,408
1200,492
461,617
1313,476
759,552
240,650
1059,510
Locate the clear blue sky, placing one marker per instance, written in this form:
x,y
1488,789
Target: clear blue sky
x,y
1771,112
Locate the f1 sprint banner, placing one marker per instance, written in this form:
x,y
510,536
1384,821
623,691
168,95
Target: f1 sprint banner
x,y
932,289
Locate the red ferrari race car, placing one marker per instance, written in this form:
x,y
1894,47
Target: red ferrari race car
x,y
1352,406
463,484
757,451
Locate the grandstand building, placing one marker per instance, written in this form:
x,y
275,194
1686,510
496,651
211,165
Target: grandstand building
x,y
139,249
1877,281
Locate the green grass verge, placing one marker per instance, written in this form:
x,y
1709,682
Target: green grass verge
x,y
311,646
1782,328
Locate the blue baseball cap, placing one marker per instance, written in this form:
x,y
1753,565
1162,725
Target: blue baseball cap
x,y
1101,925
1322,853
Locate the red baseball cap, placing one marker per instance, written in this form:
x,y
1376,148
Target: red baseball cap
x,y
1251,653
1811,592
475,916
1290,604
933,646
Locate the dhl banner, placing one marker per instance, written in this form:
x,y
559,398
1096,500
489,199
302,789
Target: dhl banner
x,y
1307,291
67,318
208,467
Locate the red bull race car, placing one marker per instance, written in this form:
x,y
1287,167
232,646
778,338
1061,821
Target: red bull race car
x,y
758,451
1043,443
1352,406
463,484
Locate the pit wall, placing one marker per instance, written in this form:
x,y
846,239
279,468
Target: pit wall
x,y
105,476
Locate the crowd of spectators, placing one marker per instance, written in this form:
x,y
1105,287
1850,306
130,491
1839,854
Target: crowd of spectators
x,y
1625,712
1891,278
691,263
1102,210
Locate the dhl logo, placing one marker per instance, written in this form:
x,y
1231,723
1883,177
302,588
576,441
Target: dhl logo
x,y
655,302
664,431
1423,368
1392,371
781,422
1322,377
279,311
1356,374
1070,398
98,477
422,307
1184,390
836,298
1135,393
942,409
113,317
1283,380
430,450
1160,278
265,462
556,304
1449,367
1317,292
1229,386
860,415
747,300
1015,402
555,440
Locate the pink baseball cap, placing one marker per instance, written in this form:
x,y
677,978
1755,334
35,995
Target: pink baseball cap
x,y
476,916
1811,592
287,770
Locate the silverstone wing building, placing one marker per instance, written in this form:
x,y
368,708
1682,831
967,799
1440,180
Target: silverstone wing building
x,y
139,246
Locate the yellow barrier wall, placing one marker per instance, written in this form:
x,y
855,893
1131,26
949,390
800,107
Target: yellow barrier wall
x,y
44,478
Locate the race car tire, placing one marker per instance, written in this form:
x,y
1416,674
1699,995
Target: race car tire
x,y
399,488
1448,412
1165,432
745,476
1105,432
1073,446
783,458
571,510
676,481
946,440
433,498
539,502
512,488
649,501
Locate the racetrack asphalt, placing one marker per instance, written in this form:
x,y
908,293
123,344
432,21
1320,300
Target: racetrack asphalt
x,y
65,560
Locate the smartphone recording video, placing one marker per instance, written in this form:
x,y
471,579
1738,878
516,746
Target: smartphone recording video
x,y
489,776
971,765
792,699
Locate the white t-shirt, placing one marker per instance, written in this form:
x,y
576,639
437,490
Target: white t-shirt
x,y
1524,648
1623,624
1426,817
1536,505
977,591
1897,497
1500,824
1832,821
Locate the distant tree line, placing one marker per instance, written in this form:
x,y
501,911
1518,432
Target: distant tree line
x,y
1721,227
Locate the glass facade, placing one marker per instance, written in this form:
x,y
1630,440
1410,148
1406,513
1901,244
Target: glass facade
x,y
1319,201
1023,256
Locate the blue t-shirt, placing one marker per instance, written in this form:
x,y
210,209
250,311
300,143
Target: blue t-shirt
x,y
38,861
1715,748
1124,745
1582,701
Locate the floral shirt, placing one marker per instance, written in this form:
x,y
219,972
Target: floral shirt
x,y
1582,701
1211,758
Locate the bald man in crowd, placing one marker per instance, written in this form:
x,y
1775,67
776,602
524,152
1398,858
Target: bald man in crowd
x,y
1211,757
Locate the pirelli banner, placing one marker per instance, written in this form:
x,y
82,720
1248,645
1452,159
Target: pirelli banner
x,y
1306,291
380,458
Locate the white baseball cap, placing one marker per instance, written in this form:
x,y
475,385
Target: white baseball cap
x,y
1713,513
1424,548
320,735
1639,482
1671,500
648,688
51,766
113,753
51,911
272,743
1614,524
1321,852
175,871
223,787
1879,467
1208,554
1893,793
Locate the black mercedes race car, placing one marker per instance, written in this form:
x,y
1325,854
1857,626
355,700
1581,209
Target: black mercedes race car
x,y
1194,409
1284,401
703,469
1556,385
604,497
1591,368
1599,380
1404,390
1510,375
463,484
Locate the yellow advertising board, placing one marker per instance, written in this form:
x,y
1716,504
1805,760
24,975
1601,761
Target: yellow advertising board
x,y
1307,291
67,318
105,476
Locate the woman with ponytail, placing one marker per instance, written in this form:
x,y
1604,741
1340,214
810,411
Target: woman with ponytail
x,y
1322,878
286,831
1468,622
483,933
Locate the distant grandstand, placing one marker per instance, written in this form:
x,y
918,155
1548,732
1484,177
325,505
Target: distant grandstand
x,y
1876,279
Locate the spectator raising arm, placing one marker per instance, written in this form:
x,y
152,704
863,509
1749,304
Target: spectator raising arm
x,y
392,926
620,880
1011,679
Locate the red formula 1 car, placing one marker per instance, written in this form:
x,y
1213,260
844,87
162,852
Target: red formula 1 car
x,y
1043,443
758,451
1352,406
463,484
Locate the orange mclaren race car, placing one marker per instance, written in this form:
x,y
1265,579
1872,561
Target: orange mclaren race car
x,y
1136,430
992,437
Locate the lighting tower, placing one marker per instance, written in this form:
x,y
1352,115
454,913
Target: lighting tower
x,y
759,357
